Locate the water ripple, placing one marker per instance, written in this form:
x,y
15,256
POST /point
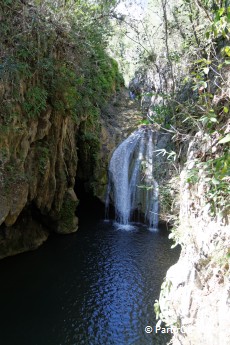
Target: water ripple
x,y
97,287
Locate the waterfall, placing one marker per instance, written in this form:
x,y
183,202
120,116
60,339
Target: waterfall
x,y
132,187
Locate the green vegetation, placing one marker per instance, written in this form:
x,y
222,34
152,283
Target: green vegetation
x,y
54,56
55,53
182,62
35,101
55,75
43,158
66,220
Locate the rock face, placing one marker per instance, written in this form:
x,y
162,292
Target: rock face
x,y
38,168
52,90
45,161
119,117
196,294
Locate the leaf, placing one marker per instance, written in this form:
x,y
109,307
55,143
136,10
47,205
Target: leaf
x,y
161,152
215,181
172,153
204,84
226,110
224,140
224,33
227,62
204,119
200,60
206,70
227,50
221,11
217,17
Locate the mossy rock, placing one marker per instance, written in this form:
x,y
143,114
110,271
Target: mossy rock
x,y
68,222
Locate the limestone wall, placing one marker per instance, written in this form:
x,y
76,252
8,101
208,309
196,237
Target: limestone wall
x,y
196,294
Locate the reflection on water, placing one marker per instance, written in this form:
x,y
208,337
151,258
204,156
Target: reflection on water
x,y
96,287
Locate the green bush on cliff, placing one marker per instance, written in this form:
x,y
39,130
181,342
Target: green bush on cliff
x,y
35,101
191,64
58,57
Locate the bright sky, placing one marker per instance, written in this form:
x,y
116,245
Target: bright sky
x,y
135,8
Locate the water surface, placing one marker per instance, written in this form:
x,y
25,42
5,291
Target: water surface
x,y
95,287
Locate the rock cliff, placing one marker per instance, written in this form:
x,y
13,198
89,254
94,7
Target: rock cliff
x,y
38,168
54,83
195,296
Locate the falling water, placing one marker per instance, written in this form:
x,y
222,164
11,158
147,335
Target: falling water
x,y
132,187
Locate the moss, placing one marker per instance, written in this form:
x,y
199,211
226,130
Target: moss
x,y
43,158
35,101
67,215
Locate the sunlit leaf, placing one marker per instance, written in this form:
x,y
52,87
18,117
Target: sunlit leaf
x,y
224,140
221,11
215,181
227,50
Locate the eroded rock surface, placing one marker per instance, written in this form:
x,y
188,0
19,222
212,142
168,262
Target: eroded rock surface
x,y
38,166
196,294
